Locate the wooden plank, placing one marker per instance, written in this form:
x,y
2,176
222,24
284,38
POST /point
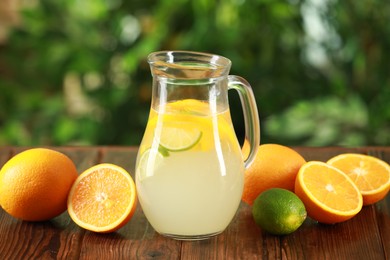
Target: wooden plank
x,y
382,211
33,240
241,240
382,208
5,155
325,153
354,239
83,157
57,238
135,240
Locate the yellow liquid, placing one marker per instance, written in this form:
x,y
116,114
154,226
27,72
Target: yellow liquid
x,y
194,192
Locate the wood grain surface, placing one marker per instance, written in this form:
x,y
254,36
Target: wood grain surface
x,y
366,236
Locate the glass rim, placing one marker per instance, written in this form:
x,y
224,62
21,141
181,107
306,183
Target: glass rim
x,y
176,56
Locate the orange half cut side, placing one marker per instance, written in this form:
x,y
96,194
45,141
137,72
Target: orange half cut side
x,y
370,174
103,198
329,195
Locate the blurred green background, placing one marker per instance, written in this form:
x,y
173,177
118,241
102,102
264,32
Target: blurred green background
x,y
74,72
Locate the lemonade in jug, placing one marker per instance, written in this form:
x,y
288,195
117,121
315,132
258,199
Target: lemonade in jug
x,y
190,170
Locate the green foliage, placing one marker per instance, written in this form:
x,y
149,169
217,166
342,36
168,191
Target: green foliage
x,y
321,121
75,72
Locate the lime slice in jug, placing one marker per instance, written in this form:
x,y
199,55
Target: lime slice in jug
x,y
149,161
176,139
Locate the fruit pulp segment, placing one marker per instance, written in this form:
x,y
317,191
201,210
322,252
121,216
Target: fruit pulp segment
x,y
364,172
327,185
102,197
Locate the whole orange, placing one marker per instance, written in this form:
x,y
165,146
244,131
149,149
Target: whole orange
x,y
275,166
34,184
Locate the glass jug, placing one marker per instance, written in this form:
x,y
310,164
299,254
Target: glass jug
x,y
189,169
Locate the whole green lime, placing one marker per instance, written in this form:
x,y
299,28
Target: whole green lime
x,y
278,211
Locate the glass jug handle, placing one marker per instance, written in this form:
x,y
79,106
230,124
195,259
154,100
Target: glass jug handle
x,y
251,116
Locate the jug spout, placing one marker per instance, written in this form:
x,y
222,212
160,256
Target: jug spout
x,y
188,65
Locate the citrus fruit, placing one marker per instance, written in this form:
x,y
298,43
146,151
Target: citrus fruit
x,y
329,195
35,183
148,162
371,175
179,138
278,211
103,198
275,166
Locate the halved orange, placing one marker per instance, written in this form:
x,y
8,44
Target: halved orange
x,y
103,198
329,195
370,174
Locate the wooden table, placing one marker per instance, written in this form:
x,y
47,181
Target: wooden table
x,y
366,236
